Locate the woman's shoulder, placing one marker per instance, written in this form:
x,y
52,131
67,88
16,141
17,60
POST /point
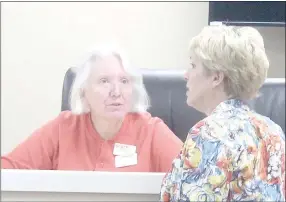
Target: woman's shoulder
x,y
265,126
154,129
69,116
148,124
247,127
144,119
66,118
220,127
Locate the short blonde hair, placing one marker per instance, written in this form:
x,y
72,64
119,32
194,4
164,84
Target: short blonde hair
x,y
238,52
78,103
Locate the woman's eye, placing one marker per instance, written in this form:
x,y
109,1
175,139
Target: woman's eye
x,y
192,65
103,81
124,81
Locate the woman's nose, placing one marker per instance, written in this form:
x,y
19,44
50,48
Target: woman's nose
x,y
186,76
115,90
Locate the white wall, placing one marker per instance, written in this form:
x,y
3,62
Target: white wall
x,y
40,41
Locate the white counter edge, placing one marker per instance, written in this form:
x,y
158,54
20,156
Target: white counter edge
x,y
80,181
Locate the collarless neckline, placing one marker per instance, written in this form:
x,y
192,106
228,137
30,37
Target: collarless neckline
x,y
92,131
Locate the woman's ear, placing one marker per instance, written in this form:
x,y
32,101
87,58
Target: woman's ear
x,y
218,78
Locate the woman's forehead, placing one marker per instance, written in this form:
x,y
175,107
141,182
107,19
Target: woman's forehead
x,y
109,61
108,69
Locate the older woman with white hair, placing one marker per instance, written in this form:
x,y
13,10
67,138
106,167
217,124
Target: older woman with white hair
x,y
234,154
107,129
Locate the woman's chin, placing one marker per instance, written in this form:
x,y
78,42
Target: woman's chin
x,y
193,103
189,102
116,114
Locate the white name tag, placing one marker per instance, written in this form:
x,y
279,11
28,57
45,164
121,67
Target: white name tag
x,y
123,149
122,161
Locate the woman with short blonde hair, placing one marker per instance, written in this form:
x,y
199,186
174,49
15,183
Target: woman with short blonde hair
x,y
234,154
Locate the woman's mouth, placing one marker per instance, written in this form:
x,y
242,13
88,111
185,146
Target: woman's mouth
x,y
115,104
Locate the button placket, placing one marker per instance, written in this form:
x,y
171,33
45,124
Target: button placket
x,y
101,163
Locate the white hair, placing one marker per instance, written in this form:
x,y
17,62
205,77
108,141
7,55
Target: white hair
x,y
238,52
77,99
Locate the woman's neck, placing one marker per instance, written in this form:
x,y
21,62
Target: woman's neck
x,y
107,128
213,101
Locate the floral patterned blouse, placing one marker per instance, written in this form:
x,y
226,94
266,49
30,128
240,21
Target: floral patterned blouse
x,y
234,154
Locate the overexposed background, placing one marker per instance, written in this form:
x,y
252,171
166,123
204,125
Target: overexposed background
x,y
41,40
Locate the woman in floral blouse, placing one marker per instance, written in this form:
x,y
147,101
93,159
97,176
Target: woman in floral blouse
x,y
234,154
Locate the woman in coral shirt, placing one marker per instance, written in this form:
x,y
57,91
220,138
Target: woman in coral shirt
x,y
108,128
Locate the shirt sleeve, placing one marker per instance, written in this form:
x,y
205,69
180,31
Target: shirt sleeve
x,y
38,151
165,147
